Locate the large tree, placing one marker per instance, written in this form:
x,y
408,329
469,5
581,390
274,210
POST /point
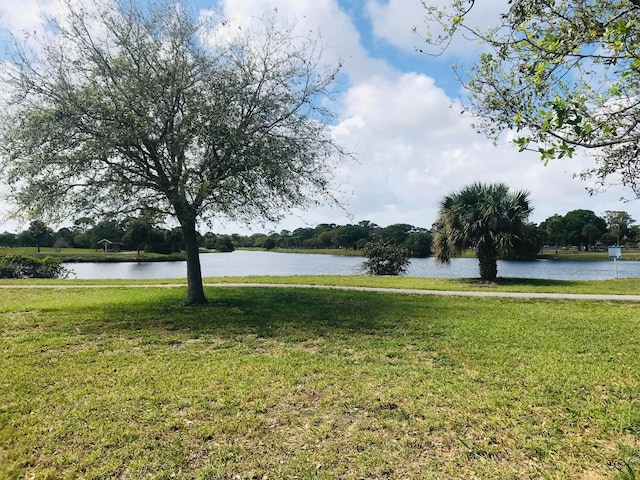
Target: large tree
x,y
618,224
563,74
485,217
583,227
121,109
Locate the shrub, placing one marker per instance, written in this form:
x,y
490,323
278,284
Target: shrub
x,y
22,266
385,258
224,244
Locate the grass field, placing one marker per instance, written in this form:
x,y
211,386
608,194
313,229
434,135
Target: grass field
x,y
302,383
91,255
573,255
622,286
625,286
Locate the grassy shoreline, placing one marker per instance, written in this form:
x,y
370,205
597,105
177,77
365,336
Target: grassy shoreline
x,y
79,255
278,383
563,255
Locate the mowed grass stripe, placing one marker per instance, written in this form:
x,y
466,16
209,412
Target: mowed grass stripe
x,y
277,383
622,286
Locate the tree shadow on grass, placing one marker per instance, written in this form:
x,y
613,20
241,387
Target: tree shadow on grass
x,y
521,282
288,314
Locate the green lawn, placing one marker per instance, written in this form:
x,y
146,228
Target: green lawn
x,y
622,286
90,254
572,255
303,383
51,251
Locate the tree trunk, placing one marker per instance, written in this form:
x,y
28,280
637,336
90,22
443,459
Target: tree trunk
x,y
488,260
195,291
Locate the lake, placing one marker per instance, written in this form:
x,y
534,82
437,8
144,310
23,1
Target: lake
x,y
244,263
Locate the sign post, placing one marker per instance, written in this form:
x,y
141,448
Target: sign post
x,y
615,252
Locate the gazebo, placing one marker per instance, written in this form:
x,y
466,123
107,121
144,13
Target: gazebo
x,y
108,245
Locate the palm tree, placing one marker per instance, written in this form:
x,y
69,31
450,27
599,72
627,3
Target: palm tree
x,y
590,231
554,228
484,217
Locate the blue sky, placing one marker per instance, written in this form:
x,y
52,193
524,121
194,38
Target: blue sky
x,y
400,111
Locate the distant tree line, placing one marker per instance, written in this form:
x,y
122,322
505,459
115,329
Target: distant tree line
x,y
350,237
579,229
130,234
143,234
584,230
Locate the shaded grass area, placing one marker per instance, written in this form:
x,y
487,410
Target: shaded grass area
x,y
269,383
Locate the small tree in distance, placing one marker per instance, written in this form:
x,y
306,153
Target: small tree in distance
x,y
40,232
384,258
137,233
124,109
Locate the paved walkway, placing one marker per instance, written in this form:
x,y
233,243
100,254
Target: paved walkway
x,y
405,291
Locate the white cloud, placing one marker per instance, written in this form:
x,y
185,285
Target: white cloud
x,y
29,16
338,33
394,21
28,20
404,24
24,15
414,147
399,105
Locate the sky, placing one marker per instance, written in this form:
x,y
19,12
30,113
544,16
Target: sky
x,y
399,110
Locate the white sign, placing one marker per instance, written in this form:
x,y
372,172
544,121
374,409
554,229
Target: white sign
x,y
615,252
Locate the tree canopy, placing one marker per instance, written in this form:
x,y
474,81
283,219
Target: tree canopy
x,y
619,223
120,110
583,227
563,74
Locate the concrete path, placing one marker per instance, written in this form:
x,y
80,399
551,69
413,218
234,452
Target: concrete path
x,y
405,291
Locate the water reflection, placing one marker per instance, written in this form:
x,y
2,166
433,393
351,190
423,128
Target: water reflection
x,y
244,263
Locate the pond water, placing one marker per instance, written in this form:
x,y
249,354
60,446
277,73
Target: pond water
x,y
244,263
